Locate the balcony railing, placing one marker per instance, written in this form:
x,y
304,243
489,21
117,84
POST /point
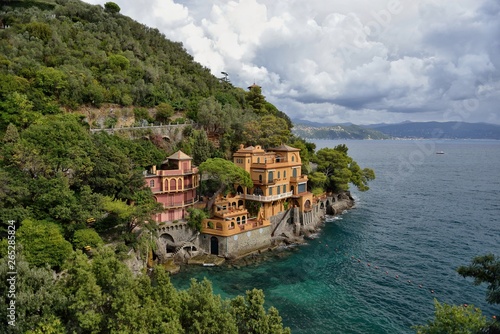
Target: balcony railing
x,y
268,198
264,182
224,228
178,204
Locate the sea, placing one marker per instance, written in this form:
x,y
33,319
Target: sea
x,y
379,267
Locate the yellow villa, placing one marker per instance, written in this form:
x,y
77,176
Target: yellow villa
x,y
278,186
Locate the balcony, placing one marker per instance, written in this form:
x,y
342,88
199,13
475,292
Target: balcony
x,y
226,229
264,182
268,198
180,204
298,179
176,172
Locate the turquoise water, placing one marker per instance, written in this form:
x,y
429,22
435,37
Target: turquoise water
x,y
377,268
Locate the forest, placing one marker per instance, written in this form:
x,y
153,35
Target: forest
x,y
71,201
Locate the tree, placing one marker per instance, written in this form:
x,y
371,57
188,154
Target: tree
x,y
202,148
485,269
196,217
163,112
54,144
39,299
225,173
256,100
43,243
204,312
251,316
340,170
268,131
112,7
86,237
452,319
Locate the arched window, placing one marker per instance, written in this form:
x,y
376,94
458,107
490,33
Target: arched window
x,y
152,183
243,219
293,158
238,220
260,178
173,184
179,184
257,191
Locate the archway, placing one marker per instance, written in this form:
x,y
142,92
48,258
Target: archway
x,y
214,246
169,243
257,191
239,190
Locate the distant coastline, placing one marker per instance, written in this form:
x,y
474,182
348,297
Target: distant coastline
x,y
407,130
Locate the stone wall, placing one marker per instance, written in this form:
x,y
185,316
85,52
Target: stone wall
x,y
239,244
171,236
172,132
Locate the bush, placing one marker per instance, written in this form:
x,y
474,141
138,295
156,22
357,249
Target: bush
x,y
86,237
141,114
43,243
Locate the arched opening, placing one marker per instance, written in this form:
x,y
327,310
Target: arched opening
x,y
322,206
257,191
292,189
179,184
173,184
214,246
307,205
243,219
240,203
169,243
238,220
218,226
239,190
260,178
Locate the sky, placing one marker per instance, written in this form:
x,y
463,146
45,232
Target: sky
x,y
339,61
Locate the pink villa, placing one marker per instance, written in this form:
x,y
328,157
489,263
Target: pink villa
x,y
174,185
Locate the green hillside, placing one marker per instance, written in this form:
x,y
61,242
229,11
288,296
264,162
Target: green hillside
x,y
337,132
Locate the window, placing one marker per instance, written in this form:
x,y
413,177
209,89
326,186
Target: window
x,y
278,174
294,172
258,160
284,174
152,183
293,158
302,188
270,190
284,188
260,178
278,189
270,177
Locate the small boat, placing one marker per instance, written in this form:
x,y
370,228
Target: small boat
x,y
208,264
440,152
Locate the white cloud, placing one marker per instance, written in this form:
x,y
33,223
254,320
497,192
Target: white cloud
x,y
346,61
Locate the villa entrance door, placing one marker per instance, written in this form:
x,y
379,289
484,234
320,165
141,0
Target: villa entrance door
x,y
214,246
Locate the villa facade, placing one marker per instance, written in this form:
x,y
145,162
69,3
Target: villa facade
x,y
278,185
175,185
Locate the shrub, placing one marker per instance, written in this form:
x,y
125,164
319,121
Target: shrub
x,y
86,237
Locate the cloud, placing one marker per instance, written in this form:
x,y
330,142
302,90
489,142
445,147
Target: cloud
x,y
339,61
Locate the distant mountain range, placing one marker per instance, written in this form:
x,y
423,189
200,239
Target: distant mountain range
x,y
445,130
